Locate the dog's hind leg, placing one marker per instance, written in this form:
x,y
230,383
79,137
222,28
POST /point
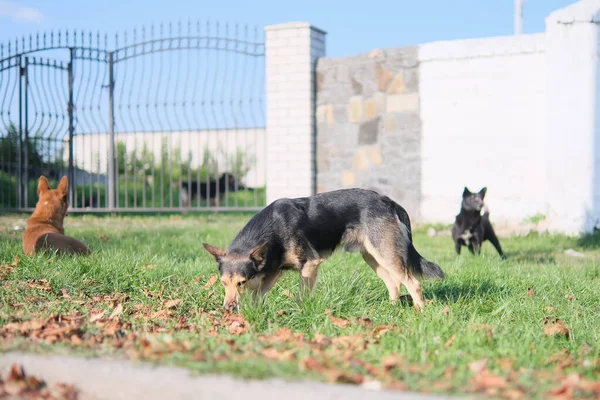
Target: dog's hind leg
x,y
393,287
491,236
391,261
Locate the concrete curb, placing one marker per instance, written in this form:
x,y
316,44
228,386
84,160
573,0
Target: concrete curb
x,y
99,379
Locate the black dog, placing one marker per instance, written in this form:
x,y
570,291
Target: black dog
x,y
213,189
471,228
300,233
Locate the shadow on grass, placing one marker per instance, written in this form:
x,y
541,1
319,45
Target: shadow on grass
x,y
531,256
453,291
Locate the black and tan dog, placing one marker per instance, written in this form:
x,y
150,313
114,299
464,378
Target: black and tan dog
x,y
471,228
300,233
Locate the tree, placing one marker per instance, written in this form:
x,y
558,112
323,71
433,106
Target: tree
x,y
9,150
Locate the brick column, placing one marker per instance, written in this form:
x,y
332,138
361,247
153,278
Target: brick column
x,y
292,50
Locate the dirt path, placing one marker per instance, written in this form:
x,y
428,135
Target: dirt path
x,y
111,379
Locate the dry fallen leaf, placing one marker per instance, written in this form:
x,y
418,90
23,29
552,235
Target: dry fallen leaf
x,y
6,269
41,284
172,303
478,366
76,340
211,282
111,328
288,293
486,380
24,386
15,261
557,328
529,292
95,316
571,297
160,314
276,355
310,363
568,385
65,294
396,386
446,310
117,311
450,341
391,361
506,364
281,313
365,321
341,322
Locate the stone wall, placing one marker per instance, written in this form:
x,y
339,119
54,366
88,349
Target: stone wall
x,y
368,125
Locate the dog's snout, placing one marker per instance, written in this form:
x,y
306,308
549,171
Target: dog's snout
x,y
233,306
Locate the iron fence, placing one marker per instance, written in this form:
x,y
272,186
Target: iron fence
x,y
170,117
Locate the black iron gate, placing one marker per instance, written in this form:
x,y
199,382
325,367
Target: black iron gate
x,y
171,119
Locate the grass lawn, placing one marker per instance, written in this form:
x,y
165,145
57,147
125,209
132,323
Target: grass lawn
x,y
526,327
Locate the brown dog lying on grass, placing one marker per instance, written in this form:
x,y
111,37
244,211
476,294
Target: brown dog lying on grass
x,y
45,227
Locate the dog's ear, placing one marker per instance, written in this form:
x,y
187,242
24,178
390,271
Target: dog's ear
x,y
482,192
43,185
216,252
466,192
63,188
259,254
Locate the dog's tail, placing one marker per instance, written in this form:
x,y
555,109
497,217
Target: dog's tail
x,y
418,265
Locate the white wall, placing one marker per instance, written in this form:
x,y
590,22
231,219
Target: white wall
x,y
483,115
572,139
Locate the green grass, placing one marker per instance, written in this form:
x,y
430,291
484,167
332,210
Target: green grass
x,y
482,310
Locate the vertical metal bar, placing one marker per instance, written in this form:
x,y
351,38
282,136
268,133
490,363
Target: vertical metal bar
x,y
518,17
21,72
111,133
26,132
71,128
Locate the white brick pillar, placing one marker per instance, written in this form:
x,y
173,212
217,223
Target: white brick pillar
x,y
292,51
572,141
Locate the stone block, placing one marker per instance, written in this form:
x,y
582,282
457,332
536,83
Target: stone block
x,y
322,113
383,76
369,131
397,86
348,179
411,79
408,102
357,87
361,162
373,154
355,109
374,106
401,124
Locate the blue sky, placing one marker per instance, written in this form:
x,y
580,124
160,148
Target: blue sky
x,y
353,26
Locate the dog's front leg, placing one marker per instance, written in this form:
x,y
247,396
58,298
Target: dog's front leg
x,y
264,284
308,278
476,246
457,247
471,248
